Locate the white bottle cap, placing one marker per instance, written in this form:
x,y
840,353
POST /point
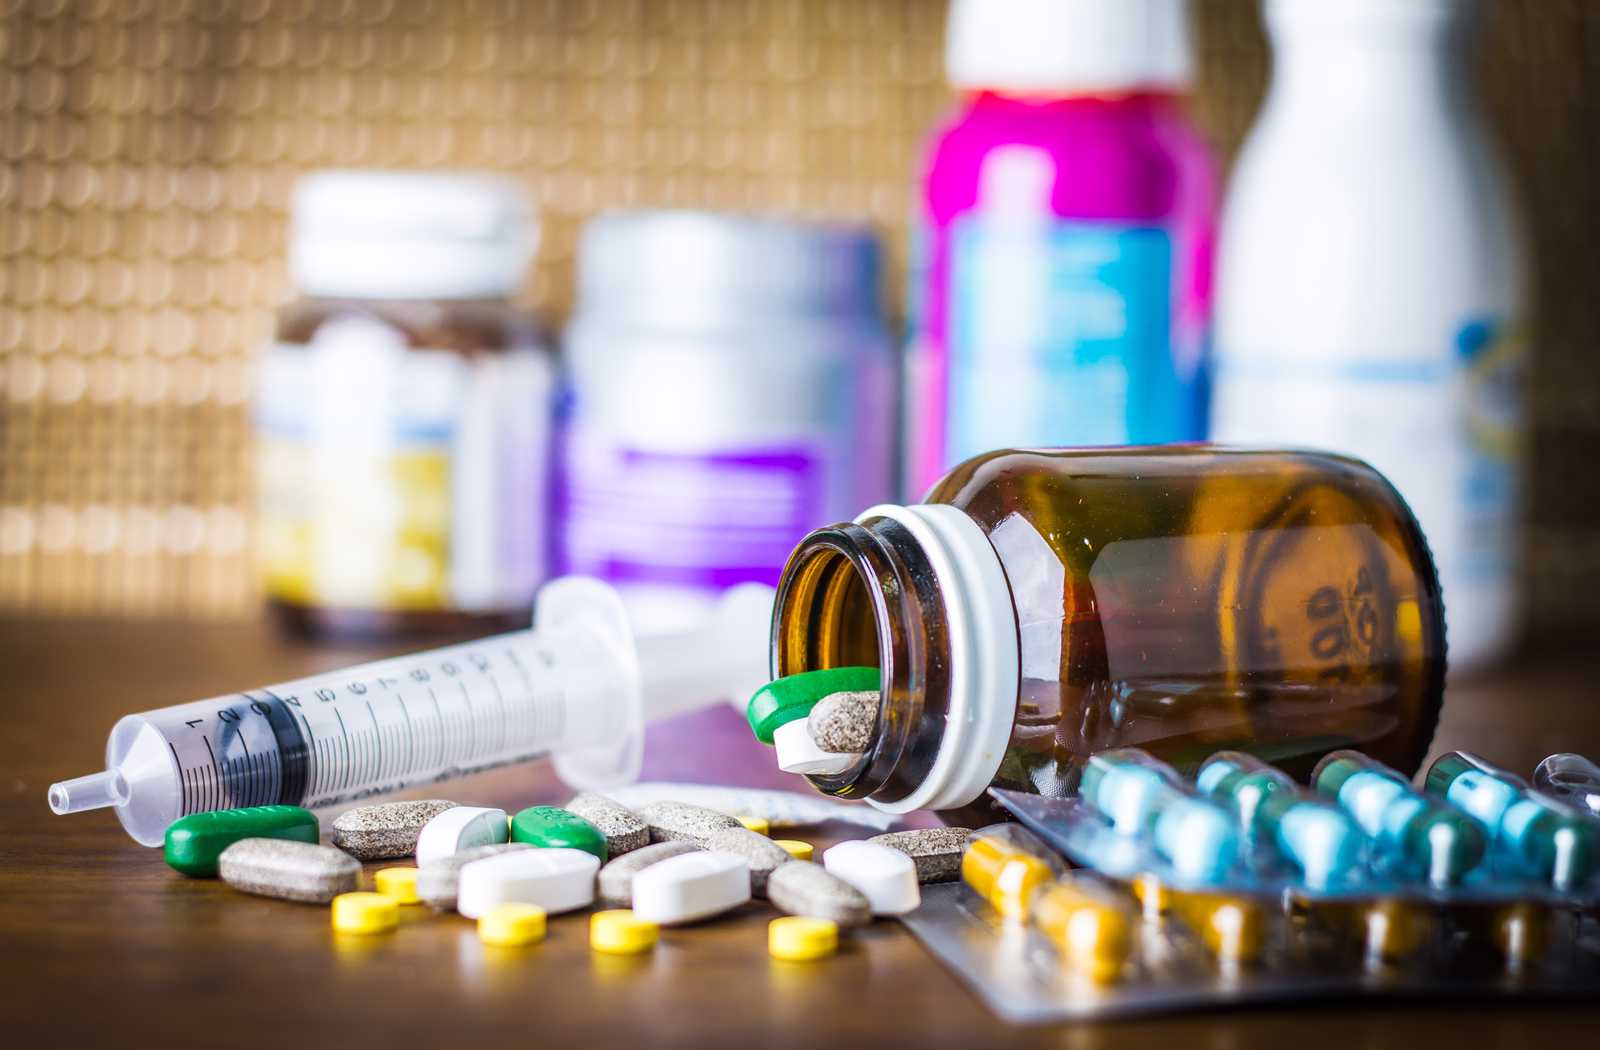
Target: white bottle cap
x,y
409,235
1068,46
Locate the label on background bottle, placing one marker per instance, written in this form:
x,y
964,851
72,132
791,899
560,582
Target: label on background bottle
x,y
1445,430
1061,334
674,528
398,479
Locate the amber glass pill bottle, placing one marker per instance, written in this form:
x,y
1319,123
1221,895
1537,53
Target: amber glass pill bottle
x,y
402,413
1044,605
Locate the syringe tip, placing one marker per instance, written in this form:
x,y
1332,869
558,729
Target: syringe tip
x,y
95,791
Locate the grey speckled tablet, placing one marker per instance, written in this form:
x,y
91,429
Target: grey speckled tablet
x,y
763,854
803,888
670,821
386,830
438,880
842,723
288,870
622,827
614,884
935,851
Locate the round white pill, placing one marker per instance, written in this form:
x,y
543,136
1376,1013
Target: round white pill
x,y
459,828
692,886
883,875
556,879
798,753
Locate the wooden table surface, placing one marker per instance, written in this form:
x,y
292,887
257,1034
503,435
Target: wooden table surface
x,y
101,943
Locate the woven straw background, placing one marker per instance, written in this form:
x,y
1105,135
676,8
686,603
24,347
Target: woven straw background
x,y
147,150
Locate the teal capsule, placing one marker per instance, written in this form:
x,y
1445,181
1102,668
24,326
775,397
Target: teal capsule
x,y
1437,841
1129,788
1197,837
1469,782
192,844
1242,782
1322,842
1538,837
552,826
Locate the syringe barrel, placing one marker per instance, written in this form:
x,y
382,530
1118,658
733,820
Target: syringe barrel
x,y
371,729
575,685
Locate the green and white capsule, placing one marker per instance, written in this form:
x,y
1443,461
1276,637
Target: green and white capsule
x,y
1319,839
1140,795
1425,837
1537,837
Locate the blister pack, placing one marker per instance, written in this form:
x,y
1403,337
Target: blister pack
x,y
1147,892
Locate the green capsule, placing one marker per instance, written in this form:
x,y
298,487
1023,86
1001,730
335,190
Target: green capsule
x,y
194,843
547,826
793,696
1435,840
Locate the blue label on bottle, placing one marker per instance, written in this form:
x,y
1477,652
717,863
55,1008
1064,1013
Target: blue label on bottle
x,y
1061,334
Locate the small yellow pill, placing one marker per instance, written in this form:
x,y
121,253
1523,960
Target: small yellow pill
x,y
795,848
620,932
801,938
759,825
512,925
365,913
399,884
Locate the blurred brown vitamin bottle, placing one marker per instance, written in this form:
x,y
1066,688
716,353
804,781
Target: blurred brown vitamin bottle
x,y
402,416
1044,605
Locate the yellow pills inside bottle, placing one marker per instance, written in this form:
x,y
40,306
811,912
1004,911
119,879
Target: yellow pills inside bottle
x,y
801,938
365,913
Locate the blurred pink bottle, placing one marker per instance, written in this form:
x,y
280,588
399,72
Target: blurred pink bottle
x,y
1061,292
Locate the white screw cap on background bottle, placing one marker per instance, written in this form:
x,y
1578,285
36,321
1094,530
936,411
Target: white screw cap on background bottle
x,y
1068,46
409,235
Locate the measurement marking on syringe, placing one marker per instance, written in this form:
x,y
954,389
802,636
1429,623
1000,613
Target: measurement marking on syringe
x,y
444,733
183,779
534,714
378,735
349,752
500,699
411,736
472,720
247,797
212,795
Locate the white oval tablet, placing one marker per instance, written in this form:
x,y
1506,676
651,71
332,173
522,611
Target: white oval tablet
x,y
883,875
556,879
798,753
692,886
462,827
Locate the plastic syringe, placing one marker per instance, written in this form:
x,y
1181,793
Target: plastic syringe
x,y
577,686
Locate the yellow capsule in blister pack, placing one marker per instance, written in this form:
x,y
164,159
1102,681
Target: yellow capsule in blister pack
x,y
1520,931
1385,929
1090,925
1006,865
1232,927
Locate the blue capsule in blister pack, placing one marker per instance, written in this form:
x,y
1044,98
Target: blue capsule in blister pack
x,y
1532,836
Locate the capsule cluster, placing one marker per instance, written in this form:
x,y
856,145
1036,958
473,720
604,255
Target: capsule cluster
x,y
1246,868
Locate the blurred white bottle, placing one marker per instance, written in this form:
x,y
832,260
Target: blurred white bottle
x,y
1372,289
